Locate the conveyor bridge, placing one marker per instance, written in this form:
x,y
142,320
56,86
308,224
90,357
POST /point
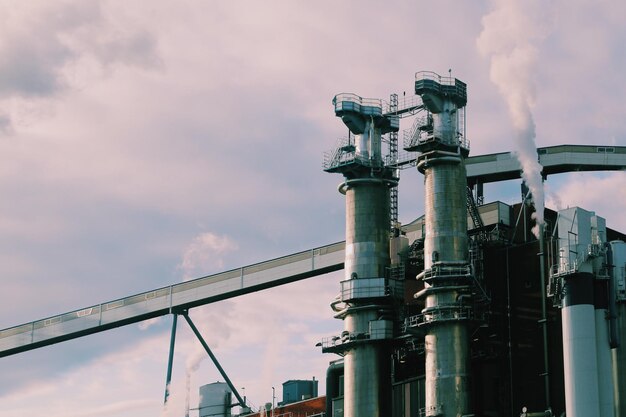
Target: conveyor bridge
x,y
554,160
183,296
174,298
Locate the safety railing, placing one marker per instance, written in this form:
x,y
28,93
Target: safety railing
x,y
433,76
444,312
380,333
352,102
422,132
407,104
345,153
352,289
445,85
447,312
446,271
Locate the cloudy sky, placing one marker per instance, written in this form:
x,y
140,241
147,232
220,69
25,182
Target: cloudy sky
x,y
144,143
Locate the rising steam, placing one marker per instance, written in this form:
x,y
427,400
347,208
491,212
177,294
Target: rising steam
x,y
511,33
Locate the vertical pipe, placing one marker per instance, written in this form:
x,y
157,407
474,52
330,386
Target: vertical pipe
x,y
619,366
605,373
544,316
618,269
510,339
170,359
332,385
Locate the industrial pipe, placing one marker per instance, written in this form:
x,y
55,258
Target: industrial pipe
x,y
544,316
614,341
332,384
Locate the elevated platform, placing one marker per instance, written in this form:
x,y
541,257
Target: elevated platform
x,y
344,159
430,86
355,111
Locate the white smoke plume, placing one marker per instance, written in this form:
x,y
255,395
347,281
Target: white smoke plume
x,y
510,37
205,254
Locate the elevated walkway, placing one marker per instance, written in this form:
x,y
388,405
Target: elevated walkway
x,y
177,297
291,268
554,159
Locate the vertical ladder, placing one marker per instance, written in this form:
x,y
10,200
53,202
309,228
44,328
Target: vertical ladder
x,y
393,156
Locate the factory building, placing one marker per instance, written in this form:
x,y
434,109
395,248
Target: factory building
x,y
471,310
465,311
296,390
300,399
312,407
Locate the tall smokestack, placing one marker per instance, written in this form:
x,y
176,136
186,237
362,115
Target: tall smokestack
x,y
365,301
447,277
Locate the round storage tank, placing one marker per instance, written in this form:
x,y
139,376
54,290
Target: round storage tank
x,y
215,400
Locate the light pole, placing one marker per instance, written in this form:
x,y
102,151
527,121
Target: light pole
x,y
273,398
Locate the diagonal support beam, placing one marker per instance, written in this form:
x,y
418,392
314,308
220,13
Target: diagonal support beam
x,y
168,378
241,401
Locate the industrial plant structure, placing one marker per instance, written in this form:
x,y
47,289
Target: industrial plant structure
x,y
475,336
462,312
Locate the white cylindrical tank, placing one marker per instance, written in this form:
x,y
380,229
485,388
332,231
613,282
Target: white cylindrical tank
x,y
618,249
579,347
215,400
603,348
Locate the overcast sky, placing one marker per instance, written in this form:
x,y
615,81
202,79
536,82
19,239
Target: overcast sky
x,y
143,143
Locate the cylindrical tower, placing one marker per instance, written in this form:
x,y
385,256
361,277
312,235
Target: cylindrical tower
x,y
617,268
364,303
447,277
582,290
579,346
215,400
603,347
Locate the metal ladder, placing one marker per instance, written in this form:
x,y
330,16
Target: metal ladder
x,y
393,157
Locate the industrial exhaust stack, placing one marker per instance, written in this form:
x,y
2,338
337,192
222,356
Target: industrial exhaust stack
x,y
365,301
439,137
581,286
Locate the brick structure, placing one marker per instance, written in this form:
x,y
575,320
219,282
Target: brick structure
x,y
307,408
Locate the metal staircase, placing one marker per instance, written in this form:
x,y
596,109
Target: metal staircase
x,y
477,221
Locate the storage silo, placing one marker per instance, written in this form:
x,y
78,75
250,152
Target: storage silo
x,y
215,400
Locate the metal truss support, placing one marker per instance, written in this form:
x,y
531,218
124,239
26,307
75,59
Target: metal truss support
x,y
241,401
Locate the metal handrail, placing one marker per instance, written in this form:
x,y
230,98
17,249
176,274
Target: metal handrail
x,y
375,104
433,76
415,136
345,153
370,288
442,271
162,301
345,338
